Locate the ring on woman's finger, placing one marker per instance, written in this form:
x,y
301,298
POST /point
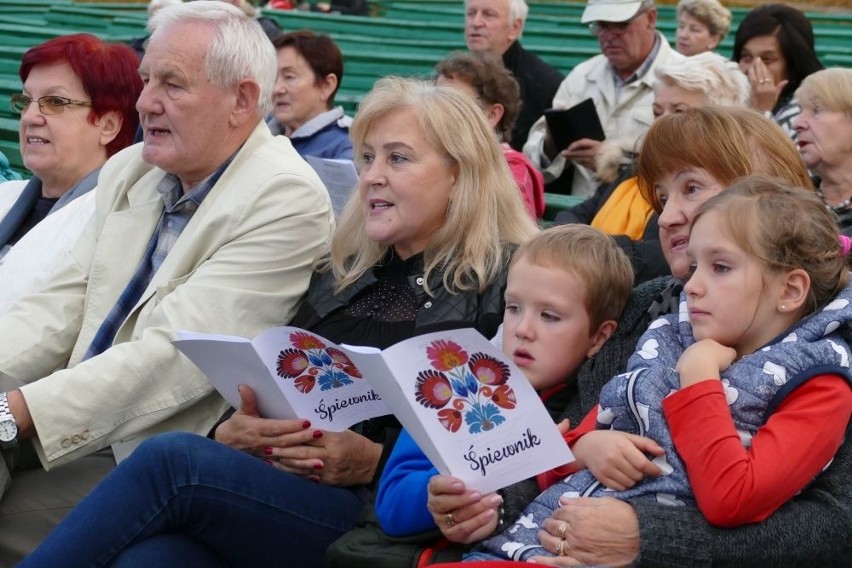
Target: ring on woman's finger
x,y
560,548
763,81
449,520
562,528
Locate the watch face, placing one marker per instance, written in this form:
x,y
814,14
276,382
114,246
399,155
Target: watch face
x,y
8,430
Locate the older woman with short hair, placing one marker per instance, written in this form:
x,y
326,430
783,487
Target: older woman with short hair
x,y
310,69
78,108
422,246
824,137
701,25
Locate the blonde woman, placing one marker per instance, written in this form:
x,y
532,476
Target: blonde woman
x,y
701,25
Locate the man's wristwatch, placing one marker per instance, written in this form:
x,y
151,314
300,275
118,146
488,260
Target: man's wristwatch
x,y
8,426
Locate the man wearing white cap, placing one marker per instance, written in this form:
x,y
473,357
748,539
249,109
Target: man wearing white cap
x,y
619,81
495,26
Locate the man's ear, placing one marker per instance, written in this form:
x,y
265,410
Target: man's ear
x,y
599,337
515,29
794,294
245,105
652,18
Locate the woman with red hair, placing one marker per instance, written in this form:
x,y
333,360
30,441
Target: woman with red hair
x,y
77,109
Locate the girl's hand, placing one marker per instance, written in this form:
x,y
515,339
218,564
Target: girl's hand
x,y
764,90
703,361
463,516
617,459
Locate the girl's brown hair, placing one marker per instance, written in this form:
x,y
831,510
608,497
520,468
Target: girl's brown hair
x,y
786,228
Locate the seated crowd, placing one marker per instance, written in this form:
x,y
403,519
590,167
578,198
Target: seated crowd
x,y
687,325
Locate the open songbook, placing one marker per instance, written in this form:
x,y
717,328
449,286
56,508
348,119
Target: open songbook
x,y
467,406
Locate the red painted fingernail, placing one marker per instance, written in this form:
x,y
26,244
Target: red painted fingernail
x,y
268,462
267,451
318,434
306,424
317,466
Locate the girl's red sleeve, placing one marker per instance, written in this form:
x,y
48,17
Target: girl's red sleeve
x,y
735,485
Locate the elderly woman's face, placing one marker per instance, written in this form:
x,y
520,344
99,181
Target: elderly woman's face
x,y
693,36
61,149
405,184
824,136
297,96
680,193
672,99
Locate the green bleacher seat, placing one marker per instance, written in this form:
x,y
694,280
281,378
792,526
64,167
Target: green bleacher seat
x,y
405,37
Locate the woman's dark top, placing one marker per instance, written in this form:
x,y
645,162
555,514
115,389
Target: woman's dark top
x,y
388,304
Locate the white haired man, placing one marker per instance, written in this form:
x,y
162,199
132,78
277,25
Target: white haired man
x,y
495,26
212,224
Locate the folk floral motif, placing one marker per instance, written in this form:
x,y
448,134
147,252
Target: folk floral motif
x,y
311,362
469,389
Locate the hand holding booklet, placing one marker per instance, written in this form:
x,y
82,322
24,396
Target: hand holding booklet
x,y
467,406
568,125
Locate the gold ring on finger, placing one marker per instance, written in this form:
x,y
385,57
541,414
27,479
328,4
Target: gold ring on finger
x,y
562,528
449,520
560,548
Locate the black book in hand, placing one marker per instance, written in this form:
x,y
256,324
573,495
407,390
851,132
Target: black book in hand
x,y
571,124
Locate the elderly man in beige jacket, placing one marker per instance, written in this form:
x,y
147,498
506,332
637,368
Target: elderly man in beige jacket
x,y
212,224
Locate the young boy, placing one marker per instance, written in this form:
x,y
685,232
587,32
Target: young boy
x,y
566,290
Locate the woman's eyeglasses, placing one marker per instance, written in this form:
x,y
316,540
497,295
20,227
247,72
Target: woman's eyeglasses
x,y
49,104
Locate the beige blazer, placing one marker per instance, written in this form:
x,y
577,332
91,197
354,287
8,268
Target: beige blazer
x,y
240,266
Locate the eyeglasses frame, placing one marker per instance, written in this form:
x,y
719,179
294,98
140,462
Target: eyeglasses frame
x,y
42,104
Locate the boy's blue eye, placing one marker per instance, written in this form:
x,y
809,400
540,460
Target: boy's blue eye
x,y
549,317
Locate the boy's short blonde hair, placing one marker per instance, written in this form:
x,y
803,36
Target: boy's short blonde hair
x,y
591,256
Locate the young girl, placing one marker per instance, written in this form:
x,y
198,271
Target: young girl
x,y
765,311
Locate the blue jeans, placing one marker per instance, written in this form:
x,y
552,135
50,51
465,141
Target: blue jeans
x,y
186,500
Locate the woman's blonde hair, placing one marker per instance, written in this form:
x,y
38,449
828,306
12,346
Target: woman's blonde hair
x,y
718,78
711,13
832,87
785,228
728,143
485,210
